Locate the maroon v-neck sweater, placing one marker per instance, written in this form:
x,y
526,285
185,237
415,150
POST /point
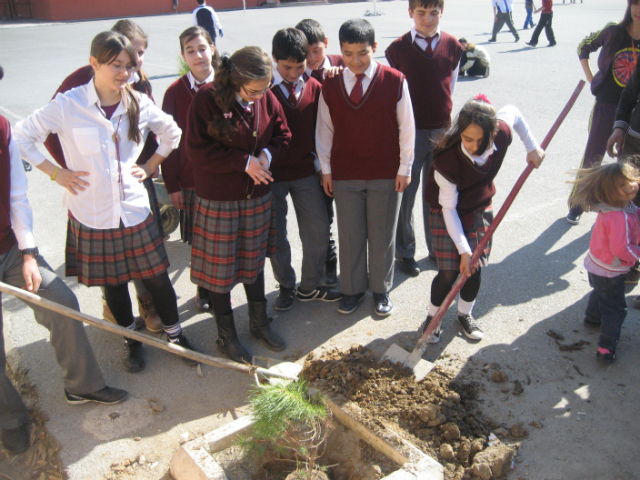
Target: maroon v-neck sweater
x,y
475,184
219,163
301,119
366,142
429,77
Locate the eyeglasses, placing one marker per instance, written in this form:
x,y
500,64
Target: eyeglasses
x,y
254,93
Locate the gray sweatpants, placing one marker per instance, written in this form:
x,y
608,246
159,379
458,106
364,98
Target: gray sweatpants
x,y
73,351
367,213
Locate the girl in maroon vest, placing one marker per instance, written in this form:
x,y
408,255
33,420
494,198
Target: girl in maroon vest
x,y
459,189
112,235
139,81
236,129
199,52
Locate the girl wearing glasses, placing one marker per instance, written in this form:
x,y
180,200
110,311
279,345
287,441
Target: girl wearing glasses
x,y
113,236
236,129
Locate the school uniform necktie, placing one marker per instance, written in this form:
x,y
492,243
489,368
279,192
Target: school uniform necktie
x,y
429,40
357,92
292,92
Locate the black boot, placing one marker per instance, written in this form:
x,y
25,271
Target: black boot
x,y
228,340
260,329
132,358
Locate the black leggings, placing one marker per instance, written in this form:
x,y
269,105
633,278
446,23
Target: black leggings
x,y
445,279
160,289
221,302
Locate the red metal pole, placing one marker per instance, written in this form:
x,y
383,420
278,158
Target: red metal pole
x,y
437,318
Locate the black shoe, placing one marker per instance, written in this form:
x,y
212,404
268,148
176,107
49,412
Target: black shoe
x,y
636,302
573,217
106,396
531,44
203,303
517,39
349,303
284,301
591,322
632,276
330,274
469,327
17,440
384,305
260,329
553,44
492,39
132,360
228,342
409,266
324,294
183,342
606,357
435,335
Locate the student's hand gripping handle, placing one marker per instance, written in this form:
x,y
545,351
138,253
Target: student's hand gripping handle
x,y
437,318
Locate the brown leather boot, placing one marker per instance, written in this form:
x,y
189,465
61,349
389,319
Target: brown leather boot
x,y
149,315
108,316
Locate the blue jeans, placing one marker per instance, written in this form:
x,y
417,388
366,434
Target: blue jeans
x,y
529,19
607,304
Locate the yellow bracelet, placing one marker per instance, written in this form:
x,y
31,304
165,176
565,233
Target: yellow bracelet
x,y
55,172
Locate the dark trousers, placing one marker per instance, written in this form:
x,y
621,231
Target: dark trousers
x,y
477,70
501,19
607,304
545,22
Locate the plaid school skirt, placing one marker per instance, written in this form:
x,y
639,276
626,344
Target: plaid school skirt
x,y
445,250
116,255
230,241
187,215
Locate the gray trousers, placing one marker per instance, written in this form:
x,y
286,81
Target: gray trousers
x,y
313,227
73,351
501,19
367,213
405,236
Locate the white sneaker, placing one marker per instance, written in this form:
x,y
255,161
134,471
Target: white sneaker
x,y
435,336
469,327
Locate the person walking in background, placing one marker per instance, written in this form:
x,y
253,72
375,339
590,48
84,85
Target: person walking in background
x,y
502,10
529,7
204,16
546,18
475,60
617,43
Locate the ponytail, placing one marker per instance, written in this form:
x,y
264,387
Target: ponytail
x,y
133,114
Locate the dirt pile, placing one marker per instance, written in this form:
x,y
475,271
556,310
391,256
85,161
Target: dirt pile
x,y
439,415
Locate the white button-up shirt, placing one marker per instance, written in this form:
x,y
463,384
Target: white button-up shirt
x,y
404,115
19,209
86,135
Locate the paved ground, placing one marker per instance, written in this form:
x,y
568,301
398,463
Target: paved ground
x,y
535,282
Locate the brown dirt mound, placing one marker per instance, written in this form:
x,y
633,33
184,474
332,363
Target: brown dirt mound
x,y
438,415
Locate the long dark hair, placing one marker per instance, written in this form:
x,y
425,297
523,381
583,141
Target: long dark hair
x,y
475,111
246,65
105,47
627,20
193,32
132,30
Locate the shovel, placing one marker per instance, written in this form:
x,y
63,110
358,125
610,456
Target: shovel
x,y
414,360
281,370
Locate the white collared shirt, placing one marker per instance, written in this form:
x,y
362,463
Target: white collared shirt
x,y
195,83
19,208
448,195
422,43
243,104
404,116
87,142
278,80
503,6
325,65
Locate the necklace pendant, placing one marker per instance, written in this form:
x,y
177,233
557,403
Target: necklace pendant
x,y
249,196
255,134
116,138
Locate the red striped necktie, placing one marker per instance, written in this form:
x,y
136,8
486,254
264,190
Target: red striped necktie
x,y
428,50
292,92
357,92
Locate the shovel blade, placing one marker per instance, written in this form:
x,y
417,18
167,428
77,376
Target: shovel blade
x,y
421,368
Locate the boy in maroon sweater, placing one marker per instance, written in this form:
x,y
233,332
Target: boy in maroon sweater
x,y
319,64
429,58
295,174
364,139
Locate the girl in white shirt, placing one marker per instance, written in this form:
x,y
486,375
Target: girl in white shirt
x,y
112,236
459,189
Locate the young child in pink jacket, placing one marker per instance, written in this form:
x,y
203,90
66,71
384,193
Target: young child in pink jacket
x,y
613,249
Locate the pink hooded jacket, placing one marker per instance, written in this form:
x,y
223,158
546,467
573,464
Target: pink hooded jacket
x,y
615,238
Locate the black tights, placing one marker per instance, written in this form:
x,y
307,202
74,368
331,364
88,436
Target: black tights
x,y
221,302
445,279
160,289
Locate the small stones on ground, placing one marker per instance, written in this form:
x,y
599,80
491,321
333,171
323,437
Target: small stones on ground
x,y
501,432
519,431
450,431
184,438
499,377
114,415
517,387
137,439
446,451
155,406
535,424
